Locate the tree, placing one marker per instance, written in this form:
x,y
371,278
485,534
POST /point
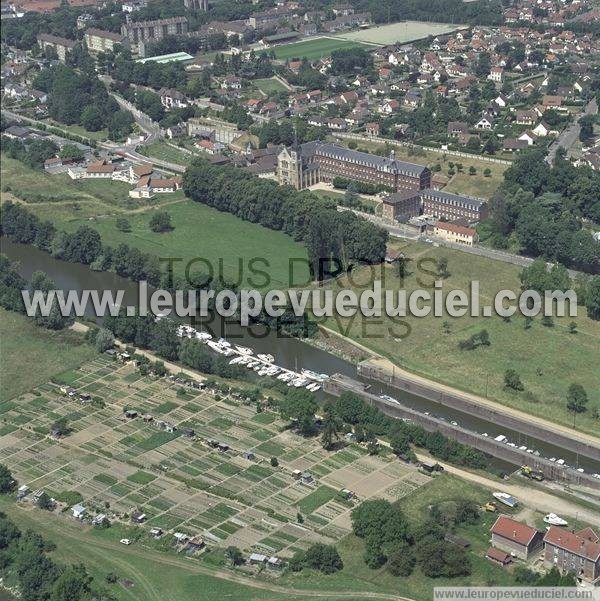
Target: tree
x,y
60,427
577,399
573,327
104,340
442,267
44,501
7,482
592,298
401,562
92,119
123,224
472,170
71,152
331,430
324,558
161,222
487,172
234,555
300,406
274,462
512,380
73,584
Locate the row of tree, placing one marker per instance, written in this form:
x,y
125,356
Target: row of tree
x,y
326,233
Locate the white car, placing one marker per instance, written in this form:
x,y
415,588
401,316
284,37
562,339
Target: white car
x,y
125,541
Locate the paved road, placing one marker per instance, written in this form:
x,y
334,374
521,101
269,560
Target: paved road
x,y
570,134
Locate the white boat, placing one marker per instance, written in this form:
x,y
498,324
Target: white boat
x,y
215,346
454,423
283,377
530,450
523,448
224,342
506,499
313,375
485,434
560,461
203,336
228,351
235,360
555,520
299,382
244,350
265,357
500,438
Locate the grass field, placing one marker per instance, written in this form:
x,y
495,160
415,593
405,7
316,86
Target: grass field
x,y
313,49
548,359
200,231
393,33
80,131
163,151
23,344
268,86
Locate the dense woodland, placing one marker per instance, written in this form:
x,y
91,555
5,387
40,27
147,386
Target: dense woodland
x,y
543,210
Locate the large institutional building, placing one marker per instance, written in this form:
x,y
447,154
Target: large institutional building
x,y
303,165
142,32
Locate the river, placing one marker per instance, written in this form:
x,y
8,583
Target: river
x,y
288,352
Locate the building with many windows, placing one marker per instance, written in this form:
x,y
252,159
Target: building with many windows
x,y
62,46
97,40
575,552
142,32
306,164
445,205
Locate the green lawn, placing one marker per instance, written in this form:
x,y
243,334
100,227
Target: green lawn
x,y
548,359
164,152
269,85
203,232
315,499
30,355
80,131
314,49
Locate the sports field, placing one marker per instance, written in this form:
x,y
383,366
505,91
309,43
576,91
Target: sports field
x,y
405,31
314,49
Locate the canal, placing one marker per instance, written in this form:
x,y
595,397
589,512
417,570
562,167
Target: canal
x,y
291,353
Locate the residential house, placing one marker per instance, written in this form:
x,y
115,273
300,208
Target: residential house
x,y
457,127
457,234
574,552
516,537
172,99
496,74
486,122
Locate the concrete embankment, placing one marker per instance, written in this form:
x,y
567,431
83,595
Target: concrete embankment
x,y
560,436
338,384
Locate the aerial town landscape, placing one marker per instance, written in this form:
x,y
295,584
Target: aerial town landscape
x,y
401,153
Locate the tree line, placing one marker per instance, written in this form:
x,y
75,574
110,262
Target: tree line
x,y
326,233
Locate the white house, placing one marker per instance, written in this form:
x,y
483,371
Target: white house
x,y
78,511
528,136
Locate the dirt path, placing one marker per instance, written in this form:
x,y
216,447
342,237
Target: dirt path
x,y
533,498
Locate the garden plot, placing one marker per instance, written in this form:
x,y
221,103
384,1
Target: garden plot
x,y
183,484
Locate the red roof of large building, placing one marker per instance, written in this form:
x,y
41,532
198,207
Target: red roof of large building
x,y
573,542
513,530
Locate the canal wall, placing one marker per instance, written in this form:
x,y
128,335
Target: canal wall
x,y
338,384
463,403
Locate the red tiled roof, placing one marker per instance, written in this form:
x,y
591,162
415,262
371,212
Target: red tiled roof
x,y
559,537
497,555
457,229
511,529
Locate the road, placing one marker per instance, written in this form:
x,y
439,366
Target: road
x,y
570,134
